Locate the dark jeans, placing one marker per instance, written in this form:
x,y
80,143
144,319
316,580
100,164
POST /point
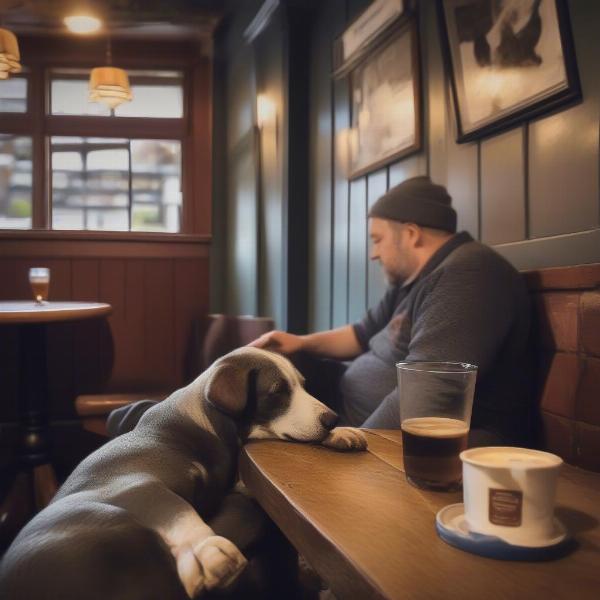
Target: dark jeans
x,y
322,378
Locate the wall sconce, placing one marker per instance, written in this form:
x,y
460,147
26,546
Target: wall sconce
x,y
109,84
266,112
10,58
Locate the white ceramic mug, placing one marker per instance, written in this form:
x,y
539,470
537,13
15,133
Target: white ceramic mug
x,y
510,493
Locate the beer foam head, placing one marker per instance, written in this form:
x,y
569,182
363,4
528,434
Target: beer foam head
x,y
510,458
39,274
439,427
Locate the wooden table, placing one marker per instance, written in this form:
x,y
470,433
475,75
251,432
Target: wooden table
x,y
35,471
370,534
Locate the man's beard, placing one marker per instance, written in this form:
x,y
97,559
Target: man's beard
x,y
399,279
393,278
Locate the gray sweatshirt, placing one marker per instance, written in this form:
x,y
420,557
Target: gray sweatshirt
x,y
468,304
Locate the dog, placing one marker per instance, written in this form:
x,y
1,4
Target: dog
x,y
129,521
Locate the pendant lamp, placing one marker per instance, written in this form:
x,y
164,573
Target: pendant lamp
x,y
9,54
109,84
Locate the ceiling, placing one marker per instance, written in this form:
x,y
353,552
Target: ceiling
x,y
122,18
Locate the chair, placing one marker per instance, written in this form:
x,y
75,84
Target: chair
x,y
217,334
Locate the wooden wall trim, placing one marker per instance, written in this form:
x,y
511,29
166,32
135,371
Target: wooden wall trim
x,y
104,236
104,248
578,277
557,251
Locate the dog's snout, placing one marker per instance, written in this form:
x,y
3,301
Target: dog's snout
x,y
329,419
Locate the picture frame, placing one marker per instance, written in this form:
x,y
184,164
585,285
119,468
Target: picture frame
x,y
359,38
385,99
508,66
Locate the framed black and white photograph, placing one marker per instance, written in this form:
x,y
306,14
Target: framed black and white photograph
x,y
386,103
508,61
362,34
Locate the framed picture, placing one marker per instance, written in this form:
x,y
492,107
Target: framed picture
x,y
385,103
363,33
507,60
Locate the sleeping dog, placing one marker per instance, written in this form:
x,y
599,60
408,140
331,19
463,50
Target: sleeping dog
x,y
127,524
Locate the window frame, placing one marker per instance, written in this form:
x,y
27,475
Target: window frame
x,y
192,130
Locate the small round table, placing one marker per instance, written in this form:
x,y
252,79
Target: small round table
x,y
35,471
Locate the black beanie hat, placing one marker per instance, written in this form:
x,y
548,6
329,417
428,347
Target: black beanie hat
x,y
417,200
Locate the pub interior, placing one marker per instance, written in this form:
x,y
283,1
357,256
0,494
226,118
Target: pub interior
x,y
214,182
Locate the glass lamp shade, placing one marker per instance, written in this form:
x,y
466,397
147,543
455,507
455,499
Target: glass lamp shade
x,y
9,54
109,85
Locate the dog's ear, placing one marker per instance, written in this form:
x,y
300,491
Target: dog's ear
x,y
231,388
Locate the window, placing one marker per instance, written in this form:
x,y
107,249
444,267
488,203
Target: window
x,y
13,95
15,182
116,184
156,94
67,164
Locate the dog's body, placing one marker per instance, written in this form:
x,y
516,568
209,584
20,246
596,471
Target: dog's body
x,y
128,523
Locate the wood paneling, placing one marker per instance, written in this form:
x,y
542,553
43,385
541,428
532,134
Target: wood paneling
x,y
321,173
376,283
406,168
144,344
200,157
191,300
159,335
357,258
341,124
566,278
53,244
242,202
558,251
463,184
563,174
271,74
129,354
434,94
503,188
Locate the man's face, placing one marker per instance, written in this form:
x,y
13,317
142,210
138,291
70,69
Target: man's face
x,y
393,246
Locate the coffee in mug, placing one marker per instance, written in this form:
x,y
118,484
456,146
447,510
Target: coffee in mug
x,y
510,493
432,446
39,279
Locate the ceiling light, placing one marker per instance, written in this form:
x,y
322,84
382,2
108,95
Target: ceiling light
x,y
82,23
10,59
109,84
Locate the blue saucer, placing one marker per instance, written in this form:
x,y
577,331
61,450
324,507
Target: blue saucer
x,y
452,527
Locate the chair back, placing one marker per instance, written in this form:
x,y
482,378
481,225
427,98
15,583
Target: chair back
x,y
224,333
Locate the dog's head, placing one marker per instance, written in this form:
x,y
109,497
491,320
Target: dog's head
x,y
263,392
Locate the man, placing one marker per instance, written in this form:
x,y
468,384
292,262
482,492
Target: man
x,y
450,299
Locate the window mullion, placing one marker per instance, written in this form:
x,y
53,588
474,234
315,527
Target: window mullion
x,y
36,99
130,186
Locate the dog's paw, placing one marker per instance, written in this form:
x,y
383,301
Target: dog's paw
x,y
346,439
221,562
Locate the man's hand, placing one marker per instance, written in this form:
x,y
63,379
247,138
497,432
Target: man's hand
x,y
279,341
340,343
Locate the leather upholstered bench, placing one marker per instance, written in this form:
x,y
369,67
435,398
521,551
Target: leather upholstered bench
x,y
566,330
